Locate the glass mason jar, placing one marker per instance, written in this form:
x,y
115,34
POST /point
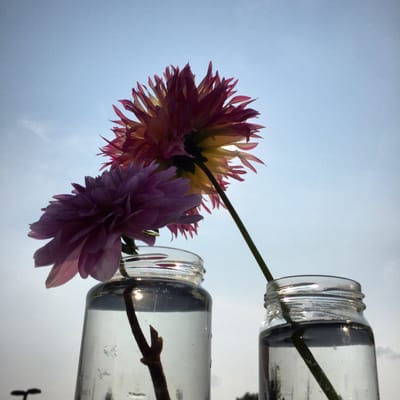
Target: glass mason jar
x,y
326,313
147,331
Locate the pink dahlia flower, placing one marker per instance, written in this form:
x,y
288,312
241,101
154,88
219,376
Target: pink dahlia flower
x,y
178,123
86,226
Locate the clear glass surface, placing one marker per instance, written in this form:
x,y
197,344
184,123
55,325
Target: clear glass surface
x,y
176,307
328,311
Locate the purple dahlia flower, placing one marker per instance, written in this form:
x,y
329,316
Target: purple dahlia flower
x,y
86,226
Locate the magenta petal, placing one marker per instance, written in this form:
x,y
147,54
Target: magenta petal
x,y
88,263
62,273
108,263
46,255
189,219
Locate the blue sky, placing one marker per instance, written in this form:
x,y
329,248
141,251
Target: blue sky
x,y
325,76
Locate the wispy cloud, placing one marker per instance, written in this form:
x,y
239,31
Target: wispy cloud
x,y
35,127
387,352
68,136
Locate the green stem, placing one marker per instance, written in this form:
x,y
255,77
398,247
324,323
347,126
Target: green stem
x,y
297,338
263,266
313,366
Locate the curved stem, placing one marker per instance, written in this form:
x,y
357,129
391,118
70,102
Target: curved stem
x,y
297,338
263,266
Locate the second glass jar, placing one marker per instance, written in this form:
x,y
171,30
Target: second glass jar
x,y
326,314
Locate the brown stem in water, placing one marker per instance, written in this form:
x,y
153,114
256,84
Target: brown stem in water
x,y
151,354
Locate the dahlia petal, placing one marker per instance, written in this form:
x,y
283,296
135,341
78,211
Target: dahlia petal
x,y
60,274
108,262
189,219
183,229
88,263
38,235
63,272
46,254
239,99
91,251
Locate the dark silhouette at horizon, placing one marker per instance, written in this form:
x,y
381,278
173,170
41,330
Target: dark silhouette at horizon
x,y
25,393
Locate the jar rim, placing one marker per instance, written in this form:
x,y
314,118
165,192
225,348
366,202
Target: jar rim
x,y
300,286
322,297
168,262
299,277
152,249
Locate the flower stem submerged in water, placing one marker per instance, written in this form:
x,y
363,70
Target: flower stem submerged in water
x,y
345,351
110,357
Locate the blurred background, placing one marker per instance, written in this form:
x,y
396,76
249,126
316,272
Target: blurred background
x,y
325,75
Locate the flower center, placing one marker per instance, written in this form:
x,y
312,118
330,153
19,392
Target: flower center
x,y
187,162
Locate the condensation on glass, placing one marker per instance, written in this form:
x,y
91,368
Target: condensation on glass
x,y
327,312
164,287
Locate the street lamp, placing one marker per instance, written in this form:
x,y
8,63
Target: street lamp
x,y
25,393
